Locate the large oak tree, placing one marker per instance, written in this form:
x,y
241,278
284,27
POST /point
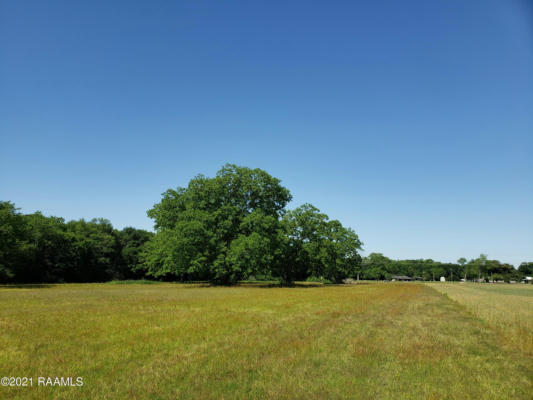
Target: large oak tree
x,y
221,229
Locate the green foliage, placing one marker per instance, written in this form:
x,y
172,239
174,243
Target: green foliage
x,y
234,225
377,266
222,229
131,242
249,254
12,231
320,279
526,268
498,277
320,247
97,249
36,248
49,250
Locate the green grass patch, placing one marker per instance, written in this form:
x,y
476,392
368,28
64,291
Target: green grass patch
x,y
508,308
133,282
169,341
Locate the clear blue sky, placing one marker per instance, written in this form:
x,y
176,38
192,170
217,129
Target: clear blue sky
x,y
410,121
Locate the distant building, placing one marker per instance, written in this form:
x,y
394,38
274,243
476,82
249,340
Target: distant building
x,y
401,278
442,279
528,279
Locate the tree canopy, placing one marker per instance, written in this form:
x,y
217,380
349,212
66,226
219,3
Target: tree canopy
x,y
234,225
36,248
221,229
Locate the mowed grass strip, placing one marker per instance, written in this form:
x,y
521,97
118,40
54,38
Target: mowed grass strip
x,y
505,307
168,341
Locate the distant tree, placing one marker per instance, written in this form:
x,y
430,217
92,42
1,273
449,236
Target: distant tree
x,y
166,257
526,268
450,271
462,261
13,236
304,227
434,267
320,247
477,267
339,257
498,277
482,265
471,269
50,252
33,248
131,242
37,248
377,266
96,249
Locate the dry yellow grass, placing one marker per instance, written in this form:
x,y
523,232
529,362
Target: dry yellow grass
x,y
507,308
168,341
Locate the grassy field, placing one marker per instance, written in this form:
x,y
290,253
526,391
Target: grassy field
x,y
170,341
507,308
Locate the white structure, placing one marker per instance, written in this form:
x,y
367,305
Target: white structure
x,y
442,279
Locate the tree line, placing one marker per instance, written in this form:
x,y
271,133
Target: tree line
x,y
225,229
377,266
39,249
